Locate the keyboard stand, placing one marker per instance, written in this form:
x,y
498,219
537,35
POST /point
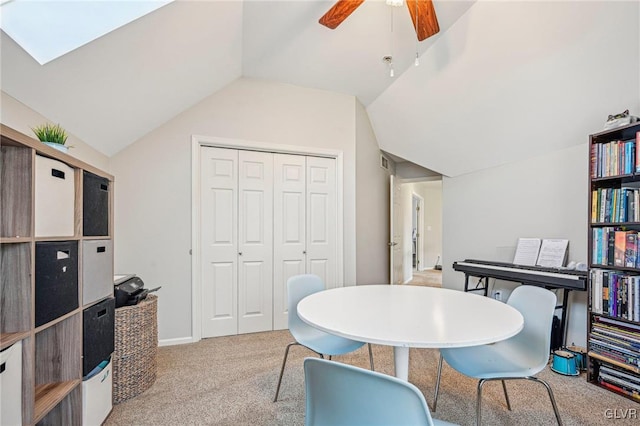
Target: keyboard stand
x,y
541,277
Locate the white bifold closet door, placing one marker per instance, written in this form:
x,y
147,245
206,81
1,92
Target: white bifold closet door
x,y
305,225
264,218
237,241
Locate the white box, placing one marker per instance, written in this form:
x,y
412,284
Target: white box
x,y
97,394
97,270
11,385
54,198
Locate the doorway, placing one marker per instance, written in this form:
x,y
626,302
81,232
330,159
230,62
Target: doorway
x,y
416,230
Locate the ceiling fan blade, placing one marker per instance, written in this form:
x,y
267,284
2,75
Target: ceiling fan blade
x,y
423,16
339,12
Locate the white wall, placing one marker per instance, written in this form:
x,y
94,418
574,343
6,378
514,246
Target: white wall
x,y
153,197
22,118
485,212
372,206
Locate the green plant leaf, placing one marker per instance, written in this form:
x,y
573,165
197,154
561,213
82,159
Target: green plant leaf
x,y
50,133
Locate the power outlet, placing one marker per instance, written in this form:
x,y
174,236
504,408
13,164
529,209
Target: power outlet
x,y
497,294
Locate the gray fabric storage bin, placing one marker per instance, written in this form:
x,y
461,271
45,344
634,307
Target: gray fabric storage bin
x,y
97,270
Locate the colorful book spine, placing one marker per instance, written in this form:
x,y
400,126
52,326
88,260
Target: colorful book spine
x,y
619,248
631,250
637,152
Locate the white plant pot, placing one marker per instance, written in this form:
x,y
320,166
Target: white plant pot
x,y
57,146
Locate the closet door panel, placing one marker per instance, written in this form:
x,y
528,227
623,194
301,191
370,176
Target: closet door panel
x,y
321,268
219,212
289,229
255,250
321,219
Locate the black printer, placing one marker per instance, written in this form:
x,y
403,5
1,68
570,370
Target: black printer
x,y
129,290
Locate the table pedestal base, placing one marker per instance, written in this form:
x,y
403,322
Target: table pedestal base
x,y
401,362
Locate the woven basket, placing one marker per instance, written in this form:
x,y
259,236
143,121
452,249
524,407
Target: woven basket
x,y
136,347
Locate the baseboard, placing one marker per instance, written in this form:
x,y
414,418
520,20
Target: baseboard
x,y
177,341
409,280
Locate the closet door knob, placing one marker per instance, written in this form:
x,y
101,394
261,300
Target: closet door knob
x,y
304,252
240,253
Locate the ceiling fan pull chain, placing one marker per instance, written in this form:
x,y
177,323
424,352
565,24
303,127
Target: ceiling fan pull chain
x,y
417,61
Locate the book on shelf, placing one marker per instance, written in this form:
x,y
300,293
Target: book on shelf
x,y
611,239
616,323
619,389
619,248
614,158
616,294
637,152
613,246
631,249
615,205
624,380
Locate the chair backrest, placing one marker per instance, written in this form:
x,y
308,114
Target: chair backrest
x,y
298,287
341,394
537,305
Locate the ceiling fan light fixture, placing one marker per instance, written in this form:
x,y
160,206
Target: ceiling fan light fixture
x,y
389,61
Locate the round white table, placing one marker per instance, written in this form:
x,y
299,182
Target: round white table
x,y
405,316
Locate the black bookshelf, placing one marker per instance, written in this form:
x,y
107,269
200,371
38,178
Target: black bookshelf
x,y
613,332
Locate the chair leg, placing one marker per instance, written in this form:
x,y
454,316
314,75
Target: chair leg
x,y
435,396
553,400
481,383
370,356
506,395
284,362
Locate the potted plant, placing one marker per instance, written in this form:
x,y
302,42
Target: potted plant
x,y
52,135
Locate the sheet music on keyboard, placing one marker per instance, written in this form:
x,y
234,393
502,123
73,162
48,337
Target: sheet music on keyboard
x,y
553,253
527,251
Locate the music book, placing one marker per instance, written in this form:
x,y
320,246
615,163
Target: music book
x,y
553,253
527,251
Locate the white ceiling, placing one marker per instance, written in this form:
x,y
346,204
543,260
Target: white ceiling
x,y
137,77
502,81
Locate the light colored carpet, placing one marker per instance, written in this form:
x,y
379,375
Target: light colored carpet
x,y
231,381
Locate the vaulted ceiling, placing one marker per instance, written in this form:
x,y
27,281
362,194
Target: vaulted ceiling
x,y
114,90
142,74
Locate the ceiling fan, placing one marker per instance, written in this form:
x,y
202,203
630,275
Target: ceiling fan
x,y
423,15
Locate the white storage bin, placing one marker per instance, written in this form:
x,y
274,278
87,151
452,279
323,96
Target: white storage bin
x,y
54,198
11,385
97,396
97,270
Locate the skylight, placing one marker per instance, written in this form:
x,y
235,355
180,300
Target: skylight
x,y
48,29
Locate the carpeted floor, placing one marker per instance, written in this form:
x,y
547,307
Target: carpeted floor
x,y
428,278
231,381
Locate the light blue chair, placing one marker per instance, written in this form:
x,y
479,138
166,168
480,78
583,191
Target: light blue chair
x,y
340,394
320,342
519,357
